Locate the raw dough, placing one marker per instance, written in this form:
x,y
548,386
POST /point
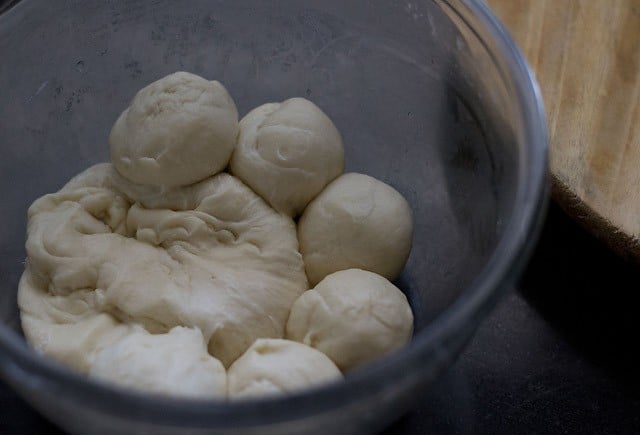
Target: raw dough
x,y
177,130
174,363
287,153
356,222
276,366
353,316
66,328
212,255
157,272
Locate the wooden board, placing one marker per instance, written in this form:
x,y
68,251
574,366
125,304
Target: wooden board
x,y
586,56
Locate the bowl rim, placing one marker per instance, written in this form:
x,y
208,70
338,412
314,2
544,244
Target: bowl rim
x,y
509,256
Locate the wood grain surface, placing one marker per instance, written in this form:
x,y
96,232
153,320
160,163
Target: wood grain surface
x,y
586,56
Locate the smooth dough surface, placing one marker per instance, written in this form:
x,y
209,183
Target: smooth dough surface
x,y
173,363
176,131
287,153
212,255
275,366
353,316
356,222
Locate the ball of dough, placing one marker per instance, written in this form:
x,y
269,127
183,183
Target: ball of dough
x,y
177,130
353,316
287,153
174,363
356,222
276,366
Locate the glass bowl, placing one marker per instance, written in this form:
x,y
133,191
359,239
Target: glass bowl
x,y
431,97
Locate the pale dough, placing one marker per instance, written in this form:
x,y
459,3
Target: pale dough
x,y
66,328
287,153
173,363
177,130
156,272
275,366
212,255
353,316
356,222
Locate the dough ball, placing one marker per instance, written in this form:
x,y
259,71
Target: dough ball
x,y
356,222
276,366
287,153
177,130
174,363
353,316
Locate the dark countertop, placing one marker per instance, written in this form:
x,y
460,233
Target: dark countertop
x,y
556,356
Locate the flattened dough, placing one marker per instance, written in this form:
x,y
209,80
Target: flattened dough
x,y
287,153
212,255
177,130
66,328
356,222
275,366
353,316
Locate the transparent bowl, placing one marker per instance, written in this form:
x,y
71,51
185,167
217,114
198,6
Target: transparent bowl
x,y
431,96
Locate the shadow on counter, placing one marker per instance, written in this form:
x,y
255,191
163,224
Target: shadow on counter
x,y
589,294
